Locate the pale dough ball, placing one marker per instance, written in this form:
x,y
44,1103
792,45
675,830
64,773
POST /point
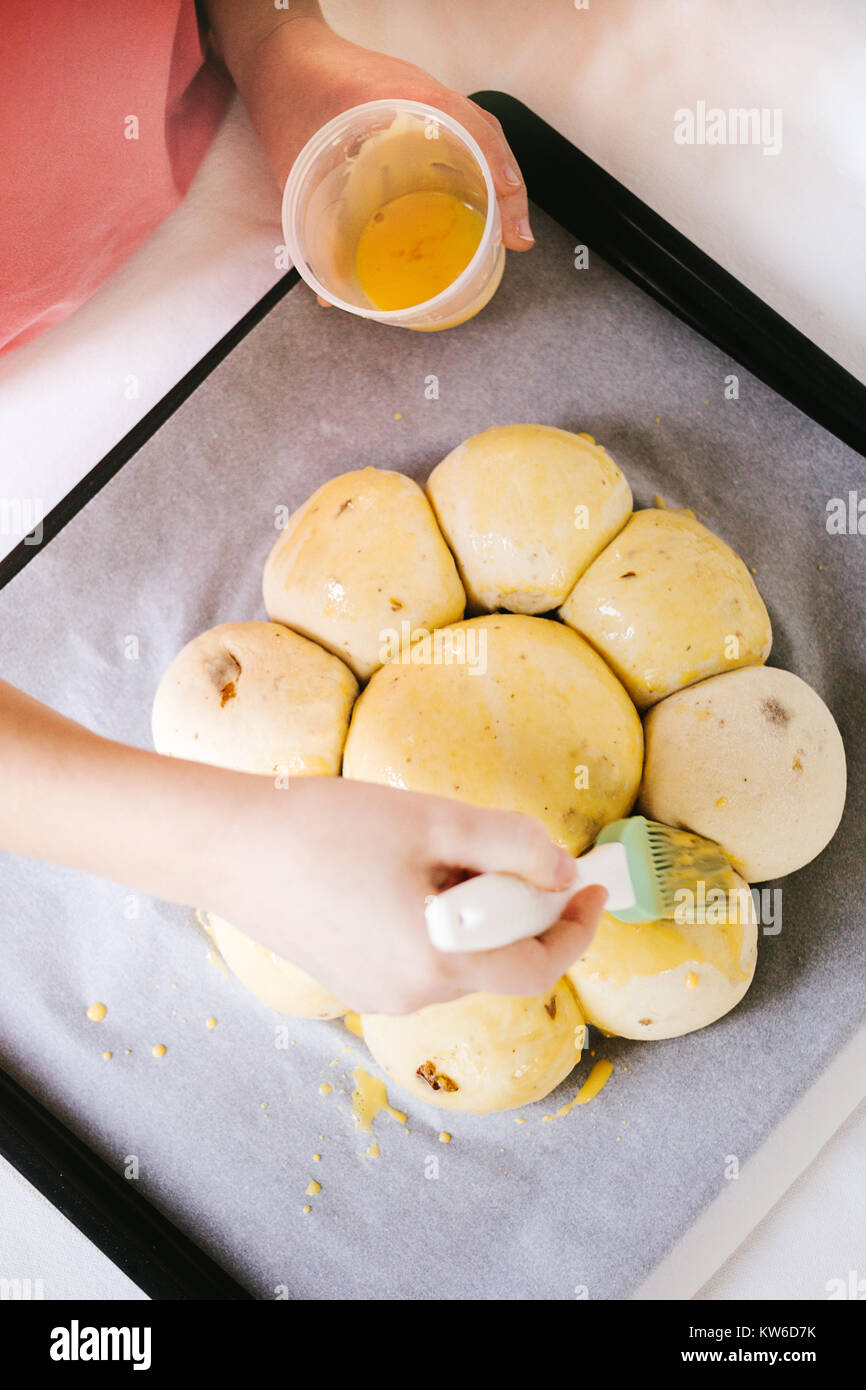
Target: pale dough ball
x,y
483,1052
356,562
273,980
752,759
509,712
255,697
668,603
525,508
661,979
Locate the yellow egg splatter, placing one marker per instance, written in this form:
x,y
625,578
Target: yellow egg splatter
x,y
597,1079
370,1098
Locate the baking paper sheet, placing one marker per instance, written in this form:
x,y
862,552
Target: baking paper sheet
x,y
224,1128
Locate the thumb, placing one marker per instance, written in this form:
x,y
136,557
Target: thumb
x,y
534,965
569,938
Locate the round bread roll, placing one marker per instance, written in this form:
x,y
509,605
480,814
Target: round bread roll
x,y
509,712
752,759
668,603
255,697
525,508
661,979
483,1052
273,980
358,561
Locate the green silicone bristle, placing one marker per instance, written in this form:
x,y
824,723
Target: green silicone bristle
x,y
663,861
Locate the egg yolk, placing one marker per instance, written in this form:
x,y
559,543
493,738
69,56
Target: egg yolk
x,y
416,246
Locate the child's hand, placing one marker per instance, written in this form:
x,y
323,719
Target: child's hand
x,y
331,874
296,75
334,874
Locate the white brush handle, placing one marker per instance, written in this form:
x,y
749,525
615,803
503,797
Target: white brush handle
x,y
493,910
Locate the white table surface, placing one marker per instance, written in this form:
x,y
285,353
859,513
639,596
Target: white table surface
x,y
792,227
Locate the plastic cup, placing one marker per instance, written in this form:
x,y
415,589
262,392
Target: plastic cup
x,y
364,158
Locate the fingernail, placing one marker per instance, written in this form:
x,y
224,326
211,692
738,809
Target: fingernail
x,y
564,867
524,231
511,174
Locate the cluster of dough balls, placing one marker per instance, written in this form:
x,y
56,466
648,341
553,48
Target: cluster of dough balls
x,y
644,611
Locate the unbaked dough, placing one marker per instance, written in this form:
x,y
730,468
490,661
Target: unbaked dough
x,y
359,562
668,603
255,697
661,979
481,1053
752,759
273,980
525,717
525,509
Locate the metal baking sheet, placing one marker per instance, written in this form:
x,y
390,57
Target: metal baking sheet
x,y
224,1128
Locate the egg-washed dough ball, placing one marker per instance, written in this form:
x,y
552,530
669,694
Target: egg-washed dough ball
x,y
273,980
509,712
667,603
525,508
255,697
752,759
483,1052
661,979
358,560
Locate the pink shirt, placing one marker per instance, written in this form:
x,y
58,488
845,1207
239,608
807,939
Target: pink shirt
x,y
106,111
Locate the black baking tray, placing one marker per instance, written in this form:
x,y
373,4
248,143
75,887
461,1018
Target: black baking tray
x,y
617,226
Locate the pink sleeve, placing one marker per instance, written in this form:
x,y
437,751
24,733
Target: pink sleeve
x,y
106,112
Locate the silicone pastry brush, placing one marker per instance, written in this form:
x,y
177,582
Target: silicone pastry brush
x,y
642,864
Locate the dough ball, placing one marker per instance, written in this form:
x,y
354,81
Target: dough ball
x,y
269,977
483,1052
525,508
752,759
255,697
360,559
668,603
504,711
661,979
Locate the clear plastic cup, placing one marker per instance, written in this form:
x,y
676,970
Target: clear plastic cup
x,y
359,161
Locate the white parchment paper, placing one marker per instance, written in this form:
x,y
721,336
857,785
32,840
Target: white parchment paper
x,y
224,1128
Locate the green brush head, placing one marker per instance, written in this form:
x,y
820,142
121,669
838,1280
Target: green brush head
x,y
663,861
